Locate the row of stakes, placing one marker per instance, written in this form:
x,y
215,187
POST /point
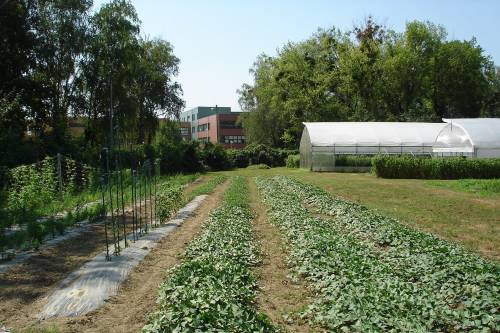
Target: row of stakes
x,y
144,183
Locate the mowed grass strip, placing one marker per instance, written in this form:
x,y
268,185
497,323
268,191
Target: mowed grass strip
x,y
482,187
373,274
213,289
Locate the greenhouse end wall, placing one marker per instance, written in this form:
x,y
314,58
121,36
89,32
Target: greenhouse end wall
x,y
305,150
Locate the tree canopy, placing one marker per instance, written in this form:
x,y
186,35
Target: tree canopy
x,y
63,61
368,74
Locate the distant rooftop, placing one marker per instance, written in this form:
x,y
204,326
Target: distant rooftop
x,y
204,111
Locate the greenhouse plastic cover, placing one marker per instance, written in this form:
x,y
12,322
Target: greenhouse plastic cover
x,y
482,132
326,134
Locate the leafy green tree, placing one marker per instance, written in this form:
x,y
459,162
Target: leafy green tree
x,y
61,38
368,74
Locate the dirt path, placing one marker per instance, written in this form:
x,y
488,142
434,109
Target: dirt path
x,y
22,287
278,295
136,298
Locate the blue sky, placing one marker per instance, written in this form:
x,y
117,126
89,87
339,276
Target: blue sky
x,y
217,41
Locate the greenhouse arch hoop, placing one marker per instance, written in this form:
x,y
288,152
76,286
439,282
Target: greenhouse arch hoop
x,y
476,137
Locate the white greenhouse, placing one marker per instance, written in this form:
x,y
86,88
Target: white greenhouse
x,y
477,137
322,141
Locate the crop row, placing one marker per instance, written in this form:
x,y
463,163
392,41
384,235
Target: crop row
x,y
170,196
373,274
213,288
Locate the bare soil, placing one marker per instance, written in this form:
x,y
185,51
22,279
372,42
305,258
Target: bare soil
x,y
279,295
23,288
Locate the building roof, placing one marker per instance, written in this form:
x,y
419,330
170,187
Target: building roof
x,y
326,134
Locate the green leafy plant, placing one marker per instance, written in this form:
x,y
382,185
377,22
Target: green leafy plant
x,y
371,273
435,168
213,289
167,201
293,161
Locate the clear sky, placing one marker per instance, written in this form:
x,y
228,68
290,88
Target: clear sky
x,y
217,41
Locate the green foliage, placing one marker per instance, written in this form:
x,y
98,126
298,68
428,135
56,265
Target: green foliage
x,y
214,157
371,273
368,74
353,160
64,56
485,187
208,187
258,154
435,168
213,289
175,154
293,161
168,200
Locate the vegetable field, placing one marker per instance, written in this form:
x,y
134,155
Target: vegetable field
x,y
371,273
350,268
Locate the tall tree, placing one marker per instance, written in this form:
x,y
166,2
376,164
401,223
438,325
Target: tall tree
x,y
368,74
61,37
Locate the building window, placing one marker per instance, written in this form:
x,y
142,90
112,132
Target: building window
x,y
204,139
229,124
229,139
193,129
203,127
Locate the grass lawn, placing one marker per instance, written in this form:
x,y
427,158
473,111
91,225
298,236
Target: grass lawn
x,y
483,187
466,217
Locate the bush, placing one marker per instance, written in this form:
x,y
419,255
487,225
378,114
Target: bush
x,y
214,157
435,168
175,154
168,200
293,161
353,160
259,154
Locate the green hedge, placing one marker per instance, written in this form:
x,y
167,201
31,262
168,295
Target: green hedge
x,y
293,161
435,168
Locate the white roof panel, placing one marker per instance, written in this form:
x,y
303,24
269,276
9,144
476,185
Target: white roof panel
x,y
482,132
324,134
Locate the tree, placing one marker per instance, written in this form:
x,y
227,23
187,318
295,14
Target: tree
x,y
157,94
16,42
368,74
61,38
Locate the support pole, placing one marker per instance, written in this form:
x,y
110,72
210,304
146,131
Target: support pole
x,y
103,190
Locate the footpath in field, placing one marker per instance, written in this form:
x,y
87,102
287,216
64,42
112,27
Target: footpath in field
x,y
280,296
371,273
213,289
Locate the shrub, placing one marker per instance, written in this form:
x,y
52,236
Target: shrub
x,y
259,154
293,161
214,157
435,168
237,157
168,200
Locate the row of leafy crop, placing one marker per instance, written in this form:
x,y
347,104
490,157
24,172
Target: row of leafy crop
x,y
435,168
371,273
170,198
213,289
38,228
